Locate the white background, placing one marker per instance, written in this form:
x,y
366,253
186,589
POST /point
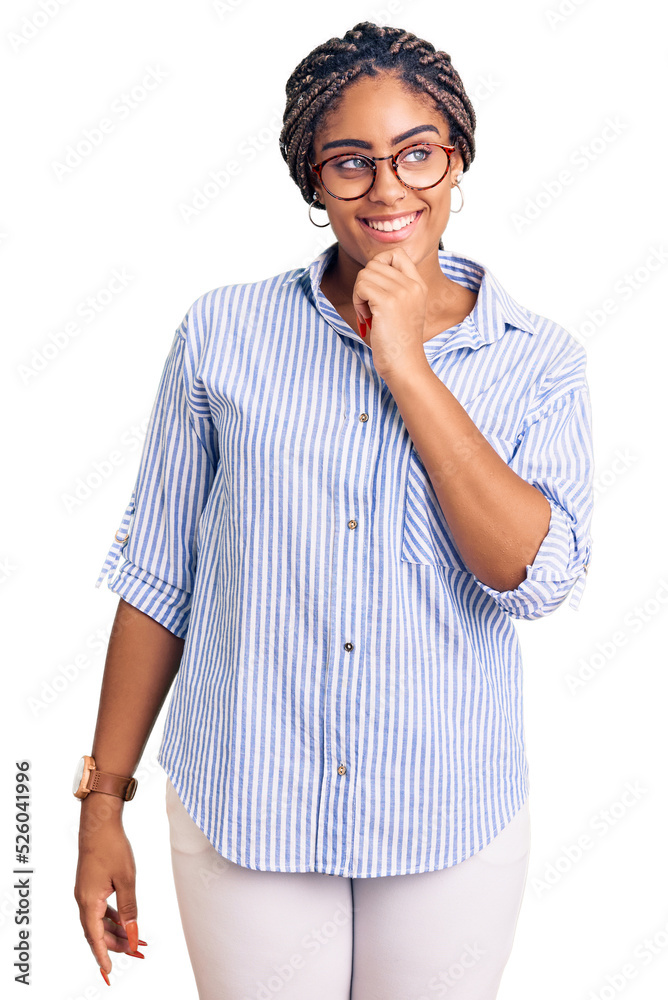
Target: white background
x,y
544,85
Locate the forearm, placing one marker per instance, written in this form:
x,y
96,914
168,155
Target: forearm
x,y
497,520
142,660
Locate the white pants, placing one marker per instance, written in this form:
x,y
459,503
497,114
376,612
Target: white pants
x,y
255,935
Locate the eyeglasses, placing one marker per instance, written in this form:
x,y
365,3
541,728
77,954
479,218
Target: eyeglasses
x,y
352,175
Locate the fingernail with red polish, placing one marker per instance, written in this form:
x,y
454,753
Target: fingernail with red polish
x,y
133,934
145,943
136,954
104,976
368,322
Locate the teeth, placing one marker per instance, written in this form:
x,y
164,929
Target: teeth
x,y
393,225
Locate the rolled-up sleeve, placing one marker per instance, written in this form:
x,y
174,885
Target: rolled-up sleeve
x,y
555,455
153,557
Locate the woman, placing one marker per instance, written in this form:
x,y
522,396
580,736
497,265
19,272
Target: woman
x,y
356,475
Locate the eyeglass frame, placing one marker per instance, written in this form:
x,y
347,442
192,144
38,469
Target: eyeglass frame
x,y
317,168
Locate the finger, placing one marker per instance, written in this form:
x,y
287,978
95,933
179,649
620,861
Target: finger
x,y
113,915
112,939
371,291
91,916
362,325
397,272
119,937
399,258
127,909
364,322
386,276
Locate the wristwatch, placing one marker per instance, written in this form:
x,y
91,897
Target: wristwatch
x,y
88,779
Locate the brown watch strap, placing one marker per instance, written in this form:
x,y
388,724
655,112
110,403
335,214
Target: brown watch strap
x,y
112,784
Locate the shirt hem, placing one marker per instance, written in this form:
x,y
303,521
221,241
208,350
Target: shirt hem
x,y
339,873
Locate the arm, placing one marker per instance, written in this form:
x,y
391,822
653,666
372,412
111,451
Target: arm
x,y
142,660
152,567
497,519
553,456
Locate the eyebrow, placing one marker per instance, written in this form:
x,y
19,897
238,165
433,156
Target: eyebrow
x,y
362,144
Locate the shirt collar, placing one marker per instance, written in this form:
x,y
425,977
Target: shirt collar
x,y
494,310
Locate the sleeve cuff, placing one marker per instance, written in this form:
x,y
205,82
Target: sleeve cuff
x,y
165,603
120,541
161,601
553,573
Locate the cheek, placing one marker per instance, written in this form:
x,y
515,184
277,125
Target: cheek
x,y
439,209
343,220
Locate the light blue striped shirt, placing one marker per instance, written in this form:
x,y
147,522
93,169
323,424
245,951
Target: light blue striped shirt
x,y
349,699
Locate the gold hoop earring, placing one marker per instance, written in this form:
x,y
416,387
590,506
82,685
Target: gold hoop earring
x,y
461,194
316,202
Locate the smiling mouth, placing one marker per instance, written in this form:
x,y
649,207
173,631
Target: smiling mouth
x,y
393,225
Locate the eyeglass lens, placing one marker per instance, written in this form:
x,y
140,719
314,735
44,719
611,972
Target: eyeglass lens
x,y
350,176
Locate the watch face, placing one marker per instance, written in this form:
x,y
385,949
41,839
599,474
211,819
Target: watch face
x,y
78,775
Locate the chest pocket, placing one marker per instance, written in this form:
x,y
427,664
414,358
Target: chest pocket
x,y
427,537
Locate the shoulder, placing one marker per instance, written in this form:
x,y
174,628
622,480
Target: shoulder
x,y
246,290
553,362
553,349
544,344
559,356
558,364
234,302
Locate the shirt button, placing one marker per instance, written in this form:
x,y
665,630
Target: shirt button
x,y
352,524
364,417
348,647
341,768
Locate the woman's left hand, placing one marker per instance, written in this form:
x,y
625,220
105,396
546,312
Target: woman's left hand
x,y
390,292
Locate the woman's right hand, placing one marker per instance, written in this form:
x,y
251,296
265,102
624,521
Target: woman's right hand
x,y
106,865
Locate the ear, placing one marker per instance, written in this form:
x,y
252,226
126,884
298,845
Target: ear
x,y
315,184
319,191
456,165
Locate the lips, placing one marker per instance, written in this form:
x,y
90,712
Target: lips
x,y
391,223
392,235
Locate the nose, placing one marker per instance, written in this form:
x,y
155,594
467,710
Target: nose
x,y
387,187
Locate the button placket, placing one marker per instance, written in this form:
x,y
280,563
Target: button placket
x,y
353,523
343,669
353,490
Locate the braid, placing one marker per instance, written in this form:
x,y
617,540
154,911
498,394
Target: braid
x,y
316,86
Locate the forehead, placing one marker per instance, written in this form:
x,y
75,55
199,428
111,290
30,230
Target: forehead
x,y
378,108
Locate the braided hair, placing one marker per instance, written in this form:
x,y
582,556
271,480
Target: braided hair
x,y
316,86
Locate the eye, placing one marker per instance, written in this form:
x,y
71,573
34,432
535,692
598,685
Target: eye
x,y
421,155
350,163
